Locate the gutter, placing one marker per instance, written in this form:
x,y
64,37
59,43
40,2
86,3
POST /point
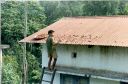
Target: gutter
x,y
93,76
112,79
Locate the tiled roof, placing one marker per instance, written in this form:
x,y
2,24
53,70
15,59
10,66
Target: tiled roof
x,y
93,30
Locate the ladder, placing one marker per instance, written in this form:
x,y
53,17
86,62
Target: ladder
x,y
46,71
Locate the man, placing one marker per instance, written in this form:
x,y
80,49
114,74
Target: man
x,y
51,48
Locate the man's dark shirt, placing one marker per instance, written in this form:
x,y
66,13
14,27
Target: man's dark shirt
x,y
49,43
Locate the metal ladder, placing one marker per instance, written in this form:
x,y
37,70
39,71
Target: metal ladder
x,y
44,71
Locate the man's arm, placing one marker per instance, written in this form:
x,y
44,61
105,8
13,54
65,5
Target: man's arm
x,y
55,42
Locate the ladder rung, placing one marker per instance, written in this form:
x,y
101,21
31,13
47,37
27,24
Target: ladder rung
x,y
47,72
46,81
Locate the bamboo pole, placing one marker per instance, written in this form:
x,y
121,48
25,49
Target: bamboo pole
x,y
25,64
0,49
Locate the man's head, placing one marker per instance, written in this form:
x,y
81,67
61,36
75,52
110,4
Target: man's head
x,y
50,32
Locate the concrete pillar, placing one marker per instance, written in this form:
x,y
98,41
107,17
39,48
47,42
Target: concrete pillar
x,y
0,65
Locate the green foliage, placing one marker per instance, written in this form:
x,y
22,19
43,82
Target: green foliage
x,y
13,27
12,23
34,72
71,8
13,20
55,10
10,70
36,17
92,8
50,11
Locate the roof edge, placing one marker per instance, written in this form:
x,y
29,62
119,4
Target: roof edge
x,y
4,46
111,16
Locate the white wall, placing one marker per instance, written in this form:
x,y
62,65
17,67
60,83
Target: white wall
x,y
48,77
106,58
101,81
44,56
0,64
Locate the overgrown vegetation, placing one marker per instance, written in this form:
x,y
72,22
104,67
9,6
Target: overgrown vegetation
x,y
41,14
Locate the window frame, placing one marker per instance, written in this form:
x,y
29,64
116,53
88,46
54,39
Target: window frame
x,y
75,78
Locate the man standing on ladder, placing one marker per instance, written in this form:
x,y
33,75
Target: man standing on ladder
x,y
51,49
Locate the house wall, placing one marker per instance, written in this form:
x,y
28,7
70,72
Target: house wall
x,y
106,58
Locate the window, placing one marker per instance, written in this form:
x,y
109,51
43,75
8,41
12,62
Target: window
x,y
123,82
71,79
74,55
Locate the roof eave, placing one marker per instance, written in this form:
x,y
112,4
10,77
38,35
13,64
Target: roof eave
x,y
4,46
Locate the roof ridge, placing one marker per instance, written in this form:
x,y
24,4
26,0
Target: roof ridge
x,y
111,16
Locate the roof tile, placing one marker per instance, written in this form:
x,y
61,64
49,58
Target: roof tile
x,y
94,30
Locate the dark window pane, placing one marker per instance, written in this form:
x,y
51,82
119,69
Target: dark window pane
x,y
123,83
68,80
71,79
82,81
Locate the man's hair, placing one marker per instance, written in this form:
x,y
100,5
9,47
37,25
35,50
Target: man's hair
x,y
50,31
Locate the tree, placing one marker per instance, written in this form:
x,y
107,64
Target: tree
x,y
55,10
13,15
98,8
10,71
13,26
34,71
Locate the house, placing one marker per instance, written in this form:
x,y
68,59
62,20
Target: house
x,y
92,50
